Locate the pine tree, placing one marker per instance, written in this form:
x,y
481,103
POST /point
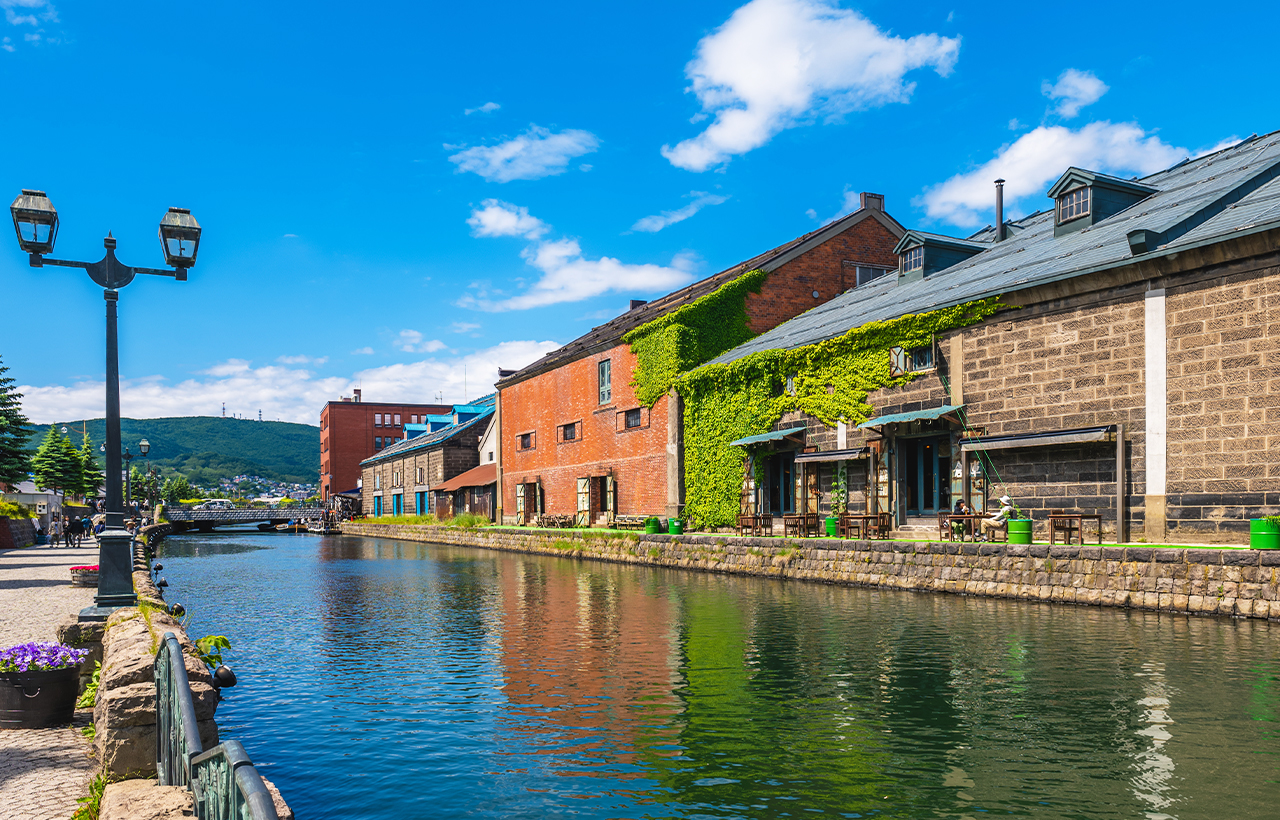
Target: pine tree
x,y
91,474
56,464
15,463
177,488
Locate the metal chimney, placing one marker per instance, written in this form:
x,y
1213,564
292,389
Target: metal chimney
x,y
999,210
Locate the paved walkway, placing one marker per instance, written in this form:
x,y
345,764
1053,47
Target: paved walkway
x,y
42,771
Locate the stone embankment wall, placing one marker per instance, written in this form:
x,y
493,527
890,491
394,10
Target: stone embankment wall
x,y
16,532
1242,583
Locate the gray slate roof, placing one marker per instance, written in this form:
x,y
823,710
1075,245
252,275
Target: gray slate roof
x,y
1198,201
444,434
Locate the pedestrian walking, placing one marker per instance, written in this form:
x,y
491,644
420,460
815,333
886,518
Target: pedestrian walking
x,y
55,530
75,531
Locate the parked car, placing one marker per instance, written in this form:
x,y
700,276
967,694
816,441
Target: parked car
x,y
217,504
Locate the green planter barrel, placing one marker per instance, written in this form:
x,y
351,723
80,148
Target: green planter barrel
x,y
1264,534
652,526
833,526
1019,530
675,526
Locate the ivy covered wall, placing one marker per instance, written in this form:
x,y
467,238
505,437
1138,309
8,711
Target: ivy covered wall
x,y
831,381
691,335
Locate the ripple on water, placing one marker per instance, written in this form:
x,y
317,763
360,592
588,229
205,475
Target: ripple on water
x,y
384,679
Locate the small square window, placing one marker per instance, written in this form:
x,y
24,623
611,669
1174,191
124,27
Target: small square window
x,y
913,259
525,441
867,275
569,432
377,419
1073,204
397,419
377,442
413,419
632,419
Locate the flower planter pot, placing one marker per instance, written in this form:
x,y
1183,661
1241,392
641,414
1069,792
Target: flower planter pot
x,y
1019,530
1264,534
36,700
84,578
833,526
675,526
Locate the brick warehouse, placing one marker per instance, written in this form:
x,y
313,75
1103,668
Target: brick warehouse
x,y
401,479
352,430
575,440
1138,376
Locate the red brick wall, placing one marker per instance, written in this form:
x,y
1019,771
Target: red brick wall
x,y
346,437
788,291
570,394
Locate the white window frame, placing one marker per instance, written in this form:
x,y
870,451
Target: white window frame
x,y
1074,204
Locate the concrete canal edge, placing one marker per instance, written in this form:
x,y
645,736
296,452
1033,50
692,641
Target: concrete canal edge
x,y
1237,582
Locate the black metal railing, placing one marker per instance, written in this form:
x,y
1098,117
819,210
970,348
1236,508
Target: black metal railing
x,y
223,780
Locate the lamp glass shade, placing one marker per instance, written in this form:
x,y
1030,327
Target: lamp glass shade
x,y
144,447
179,238
35,220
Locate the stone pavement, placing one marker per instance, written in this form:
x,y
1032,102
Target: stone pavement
x,y
42,771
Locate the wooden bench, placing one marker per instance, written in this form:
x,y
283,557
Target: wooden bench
x,y
630,522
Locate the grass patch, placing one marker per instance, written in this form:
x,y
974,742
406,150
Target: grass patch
x,y
90,806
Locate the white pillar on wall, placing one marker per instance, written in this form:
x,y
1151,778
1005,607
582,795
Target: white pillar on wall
x,y
1155,341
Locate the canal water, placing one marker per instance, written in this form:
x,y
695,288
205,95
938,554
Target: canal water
x,y
389,679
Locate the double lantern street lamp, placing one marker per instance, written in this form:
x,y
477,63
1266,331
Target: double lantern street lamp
x,y
36,222
144,447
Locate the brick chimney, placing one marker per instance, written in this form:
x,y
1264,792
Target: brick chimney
x,y
872,202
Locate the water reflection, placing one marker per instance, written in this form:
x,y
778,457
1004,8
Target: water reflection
x,y
393,679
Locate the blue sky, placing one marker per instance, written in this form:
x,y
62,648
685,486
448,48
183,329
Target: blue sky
x,y
394,195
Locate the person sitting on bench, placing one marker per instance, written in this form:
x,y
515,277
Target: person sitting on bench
x,y
998,521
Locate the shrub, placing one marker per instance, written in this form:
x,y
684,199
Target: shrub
x,y
12,509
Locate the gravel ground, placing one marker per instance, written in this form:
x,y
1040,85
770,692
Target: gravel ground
x,y
42,771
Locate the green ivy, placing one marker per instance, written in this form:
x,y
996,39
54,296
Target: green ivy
x,y
831,381
690,335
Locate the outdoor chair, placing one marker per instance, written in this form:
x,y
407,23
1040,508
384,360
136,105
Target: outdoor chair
x,y
1067,527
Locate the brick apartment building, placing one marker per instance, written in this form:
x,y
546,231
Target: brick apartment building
x,y
1138,376
402,478
575,440
351,430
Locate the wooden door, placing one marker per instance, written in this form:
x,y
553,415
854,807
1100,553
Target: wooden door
x,y
583,516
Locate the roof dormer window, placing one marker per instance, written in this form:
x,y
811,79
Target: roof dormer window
x,y
1073,204
913,259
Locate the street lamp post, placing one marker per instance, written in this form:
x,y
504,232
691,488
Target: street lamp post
x,y
144,447
35,220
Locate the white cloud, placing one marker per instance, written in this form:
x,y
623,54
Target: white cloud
x,y
302,360
1042,155
1074,90
776,64
412,341
534,154
417,381
7,45
655,223
464,327
484,109
566,275
288,394
363,351
498,218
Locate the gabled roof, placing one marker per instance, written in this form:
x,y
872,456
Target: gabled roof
x,y
1206,200
912,238
1079,176
610,334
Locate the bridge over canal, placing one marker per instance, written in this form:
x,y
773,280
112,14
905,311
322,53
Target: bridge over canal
x,y
206,520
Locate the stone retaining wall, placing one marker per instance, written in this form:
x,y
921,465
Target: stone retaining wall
x,y
1238,582
16,532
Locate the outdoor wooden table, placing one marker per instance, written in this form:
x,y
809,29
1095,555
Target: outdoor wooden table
x,y
1079,519
869,521
969,527
797,524
755,524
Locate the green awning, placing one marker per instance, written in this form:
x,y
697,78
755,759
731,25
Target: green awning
x,y
772,435
915,415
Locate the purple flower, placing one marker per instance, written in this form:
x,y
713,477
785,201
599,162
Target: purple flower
x,y
40,655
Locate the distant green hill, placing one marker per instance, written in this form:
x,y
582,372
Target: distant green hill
x,y
208,448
